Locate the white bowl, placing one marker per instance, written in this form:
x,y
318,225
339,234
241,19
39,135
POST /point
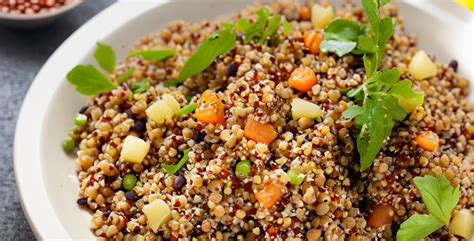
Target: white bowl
x,y
45,174
28,21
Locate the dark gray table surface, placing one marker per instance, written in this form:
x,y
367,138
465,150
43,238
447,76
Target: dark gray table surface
x,y
22,53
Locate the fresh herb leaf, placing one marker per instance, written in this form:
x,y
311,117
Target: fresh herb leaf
x,y
186,110
125,75
440,198
438,195
105,56
170,83
286,28
172,169
155,55
263,28
417,227
140,87
344,30
219,43
88,80
341,36
341,48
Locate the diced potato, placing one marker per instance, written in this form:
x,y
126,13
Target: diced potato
x,y
408,104
421,66
302,108
461,223
159,111
156,213
172,103
321,16
134,149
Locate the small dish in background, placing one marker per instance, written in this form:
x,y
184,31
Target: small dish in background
x,y
28,14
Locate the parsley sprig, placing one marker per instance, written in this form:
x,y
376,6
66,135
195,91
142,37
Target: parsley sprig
x,y
440,198
385,100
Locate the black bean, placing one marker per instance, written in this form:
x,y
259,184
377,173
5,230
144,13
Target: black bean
x,y
130,114
83,109
139,127
82,201
131,196
106,213
198,136
454,65
232,69
179,182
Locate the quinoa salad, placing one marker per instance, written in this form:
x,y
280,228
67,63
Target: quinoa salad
x,y
286,121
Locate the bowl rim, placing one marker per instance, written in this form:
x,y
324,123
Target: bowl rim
x,y
30,181
37,16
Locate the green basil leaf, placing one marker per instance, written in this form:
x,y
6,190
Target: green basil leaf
x,y
341,48
439,197
140,87
155,55
105,56
219,43
186,110
88,80
417,227
343,30
125,75
172,169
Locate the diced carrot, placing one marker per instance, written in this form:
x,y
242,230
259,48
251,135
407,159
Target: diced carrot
x,y
428,140
210,108
302,79
270,194
305,13
380,216
312,40
264,133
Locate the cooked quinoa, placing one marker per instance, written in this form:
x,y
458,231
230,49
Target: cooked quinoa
x,y
209,201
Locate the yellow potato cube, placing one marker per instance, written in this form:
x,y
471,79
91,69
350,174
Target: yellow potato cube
x,y
156,212
408,104
421,66
172,103
159,111
321,16
134,149
461,223
302,108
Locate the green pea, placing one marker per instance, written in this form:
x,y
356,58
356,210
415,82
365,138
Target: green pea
x,y
243,168
68,145
129,181
295,177
80,119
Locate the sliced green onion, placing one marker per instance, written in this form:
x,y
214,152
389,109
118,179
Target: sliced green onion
x,y
80,119
68,145
129,181
172,169
243,168
318,119
139,184
186,110
295,177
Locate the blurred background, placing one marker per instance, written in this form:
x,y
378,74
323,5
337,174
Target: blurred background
x,y
22,53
